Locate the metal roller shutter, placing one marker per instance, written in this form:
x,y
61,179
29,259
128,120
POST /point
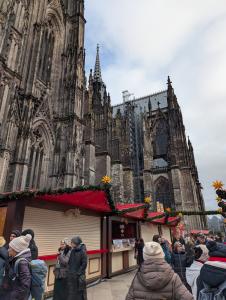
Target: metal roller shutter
x,y
51,227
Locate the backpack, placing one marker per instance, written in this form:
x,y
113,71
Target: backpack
x,y
208,293
38,273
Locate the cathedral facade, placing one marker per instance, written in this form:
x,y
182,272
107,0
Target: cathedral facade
x,y
58,129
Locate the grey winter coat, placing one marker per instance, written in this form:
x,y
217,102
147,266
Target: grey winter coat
x,y
76,274
157,281
60,270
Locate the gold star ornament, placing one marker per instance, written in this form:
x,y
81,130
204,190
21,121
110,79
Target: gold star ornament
x,y
218,184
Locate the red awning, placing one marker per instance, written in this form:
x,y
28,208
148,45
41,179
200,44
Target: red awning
x,y
173,221
90,200
196,231
129,206
132,210
152,215
139,214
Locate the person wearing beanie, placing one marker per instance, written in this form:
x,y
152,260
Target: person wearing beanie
x,y
213,272
156,279
32,246
18,276
76,270
180,261
192,273
3,259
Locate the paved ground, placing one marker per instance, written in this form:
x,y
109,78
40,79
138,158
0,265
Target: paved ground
x,y
112,289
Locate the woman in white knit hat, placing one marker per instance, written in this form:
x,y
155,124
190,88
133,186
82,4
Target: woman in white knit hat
x,y
18,275
155,279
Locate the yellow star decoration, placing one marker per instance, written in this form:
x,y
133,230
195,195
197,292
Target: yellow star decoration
x,y
219,199
147,200
168,209
106,180
218,184
219,210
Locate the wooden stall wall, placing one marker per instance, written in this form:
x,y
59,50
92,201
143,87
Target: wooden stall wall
x,y
148,230
166,232
3,211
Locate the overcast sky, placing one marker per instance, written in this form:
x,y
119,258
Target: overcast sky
x,y
142,42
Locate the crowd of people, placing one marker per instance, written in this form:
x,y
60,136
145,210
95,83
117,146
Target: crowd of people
x,y
22,274
193,267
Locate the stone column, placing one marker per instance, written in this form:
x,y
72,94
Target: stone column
x,y
128,185
32,168
35,181
148,184
176,187
188,198
117,181
103,166
4,164
90,164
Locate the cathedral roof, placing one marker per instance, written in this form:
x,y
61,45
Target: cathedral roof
x,y
143,104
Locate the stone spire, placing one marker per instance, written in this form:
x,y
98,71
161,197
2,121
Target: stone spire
x,y
97,70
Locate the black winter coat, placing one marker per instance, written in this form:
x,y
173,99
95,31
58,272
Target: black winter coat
x,y
3,259
179,263
213,276
139,253
216,249
76,274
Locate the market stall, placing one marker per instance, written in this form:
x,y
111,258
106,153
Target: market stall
x,y
123,231
108,229
56,216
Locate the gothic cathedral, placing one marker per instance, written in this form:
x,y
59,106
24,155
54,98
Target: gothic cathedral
x,y
58,130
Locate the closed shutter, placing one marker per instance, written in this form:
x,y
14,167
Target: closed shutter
x,y
147,231
51,227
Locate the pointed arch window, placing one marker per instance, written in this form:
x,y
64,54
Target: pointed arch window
x,y
160,144
36,162
46,54
162,192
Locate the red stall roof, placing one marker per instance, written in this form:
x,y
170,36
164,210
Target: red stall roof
x,y
91,200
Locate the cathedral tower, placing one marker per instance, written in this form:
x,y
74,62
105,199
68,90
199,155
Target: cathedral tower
x,y
41,93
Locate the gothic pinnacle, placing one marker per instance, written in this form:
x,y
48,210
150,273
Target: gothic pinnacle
x,y
97,70
168,81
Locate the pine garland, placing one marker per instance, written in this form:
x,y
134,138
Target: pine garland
x,y
106,187
221,193
196,213
32,193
